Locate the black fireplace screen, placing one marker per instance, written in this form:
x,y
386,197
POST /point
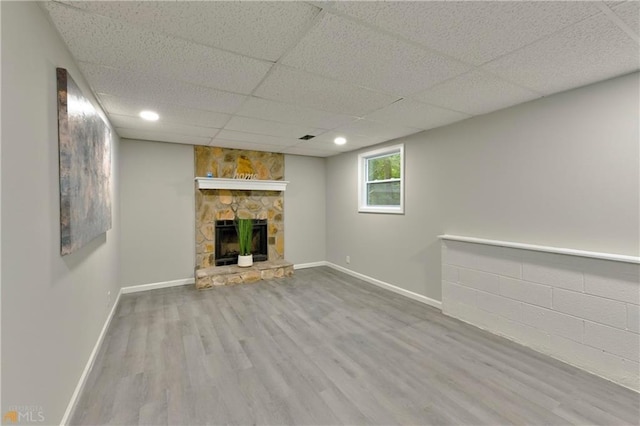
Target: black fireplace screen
x,y
227,242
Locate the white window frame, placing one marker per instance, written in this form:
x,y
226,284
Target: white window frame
x,y
363,159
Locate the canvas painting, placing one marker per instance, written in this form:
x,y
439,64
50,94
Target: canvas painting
x,y
84,141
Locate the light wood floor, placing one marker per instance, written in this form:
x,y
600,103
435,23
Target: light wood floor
x,y
323,348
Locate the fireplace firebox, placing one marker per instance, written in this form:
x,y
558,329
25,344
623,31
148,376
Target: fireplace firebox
x,y
227,248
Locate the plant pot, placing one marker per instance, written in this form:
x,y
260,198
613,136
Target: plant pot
x,y
245,261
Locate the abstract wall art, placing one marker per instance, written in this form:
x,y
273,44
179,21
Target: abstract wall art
x,y
84,142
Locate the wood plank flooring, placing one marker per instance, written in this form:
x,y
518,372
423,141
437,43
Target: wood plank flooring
x,y
323,348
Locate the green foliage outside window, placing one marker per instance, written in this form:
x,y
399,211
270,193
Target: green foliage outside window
x,y
383,168
383,180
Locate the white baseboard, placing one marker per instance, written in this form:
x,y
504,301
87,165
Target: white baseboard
x,y
154,286
310,265
415,296
96,348
89,365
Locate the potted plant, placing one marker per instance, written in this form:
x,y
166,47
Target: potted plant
x,y
244,229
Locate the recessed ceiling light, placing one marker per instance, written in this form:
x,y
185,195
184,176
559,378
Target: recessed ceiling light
x,y
149,115
339,140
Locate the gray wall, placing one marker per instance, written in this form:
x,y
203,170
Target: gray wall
x,y
158,222
53,308
560,171
157,206
304,205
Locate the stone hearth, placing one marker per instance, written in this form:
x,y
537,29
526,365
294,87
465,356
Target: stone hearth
x,y
233,274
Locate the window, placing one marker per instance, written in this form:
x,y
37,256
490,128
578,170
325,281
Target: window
x,y
381,180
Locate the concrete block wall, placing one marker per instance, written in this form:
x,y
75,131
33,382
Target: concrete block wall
x,y
580,310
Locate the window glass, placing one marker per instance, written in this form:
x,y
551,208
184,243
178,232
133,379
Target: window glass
x,y
381,185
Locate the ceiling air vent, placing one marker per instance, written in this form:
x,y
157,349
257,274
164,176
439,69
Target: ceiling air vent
x,y
306,137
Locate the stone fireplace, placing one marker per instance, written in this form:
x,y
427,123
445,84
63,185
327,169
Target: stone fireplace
x,y
216,210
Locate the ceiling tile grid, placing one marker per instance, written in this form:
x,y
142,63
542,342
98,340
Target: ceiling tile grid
x,y
161,136
226,143
128,122
103,41
410,113
259,75
325,140
376,130
294,86
169,113
309,151
234,135
293,114
590,51
344,50
475,31
477,92
629,12
321,146
126,84
257,29
271,128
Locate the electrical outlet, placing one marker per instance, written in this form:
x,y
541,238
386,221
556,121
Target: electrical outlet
x,y
348,259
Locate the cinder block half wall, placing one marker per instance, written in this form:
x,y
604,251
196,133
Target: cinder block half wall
x,y
583,311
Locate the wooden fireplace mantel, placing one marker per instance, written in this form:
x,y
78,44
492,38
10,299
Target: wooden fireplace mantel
x,y
241,184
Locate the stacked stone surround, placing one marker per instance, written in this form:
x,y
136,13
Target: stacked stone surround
x,y
222,204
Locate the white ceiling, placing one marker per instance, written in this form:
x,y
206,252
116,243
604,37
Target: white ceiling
x,y
259,75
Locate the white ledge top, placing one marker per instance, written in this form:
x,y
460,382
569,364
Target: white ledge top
x,y
241,184
559,250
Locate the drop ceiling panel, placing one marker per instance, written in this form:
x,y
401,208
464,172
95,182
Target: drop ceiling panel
x,y
104,41
410,113
271,128
324,146
304,150
224,143
349,147
292,114
257,29
142,87
377,131
312,91
593,50
475,32
325,140
477,92
629,12
151,135
233,135
344,50
128,122
168,113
